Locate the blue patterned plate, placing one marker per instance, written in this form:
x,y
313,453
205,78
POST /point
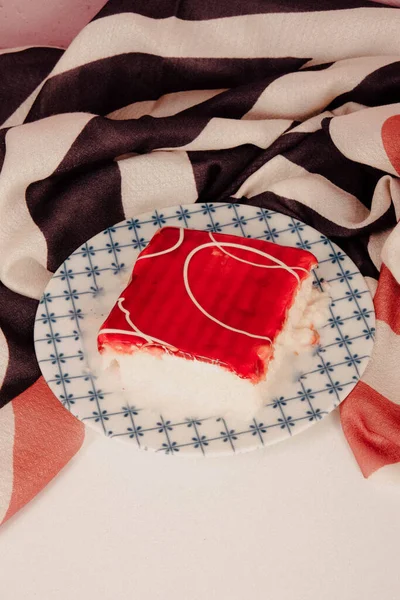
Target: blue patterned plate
x,y
85,287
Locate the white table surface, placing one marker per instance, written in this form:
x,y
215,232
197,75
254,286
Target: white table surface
x,y
295,521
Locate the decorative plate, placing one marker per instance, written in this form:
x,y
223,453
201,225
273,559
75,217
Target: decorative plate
x,y
87,284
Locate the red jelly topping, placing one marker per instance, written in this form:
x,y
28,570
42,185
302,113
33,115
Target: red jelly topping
x,y
207,296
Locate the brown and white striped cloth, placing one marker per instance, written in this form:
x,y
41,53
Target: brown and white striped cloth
x,y
290,105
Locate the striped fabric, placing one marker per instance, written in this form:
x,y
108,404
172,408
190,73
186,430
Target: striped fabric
x,y
289,105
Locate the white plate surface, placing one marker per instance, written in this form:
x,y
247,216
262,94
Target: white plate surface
x,y
87,284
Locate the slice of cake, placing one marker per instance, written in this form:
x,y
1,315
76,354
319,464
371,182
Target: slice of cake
x,y
206,318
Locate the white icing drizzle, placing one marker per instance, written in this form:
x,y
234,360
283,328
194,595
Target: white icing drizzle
x,y
150,341
279,266
174,247
201,309
124,331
